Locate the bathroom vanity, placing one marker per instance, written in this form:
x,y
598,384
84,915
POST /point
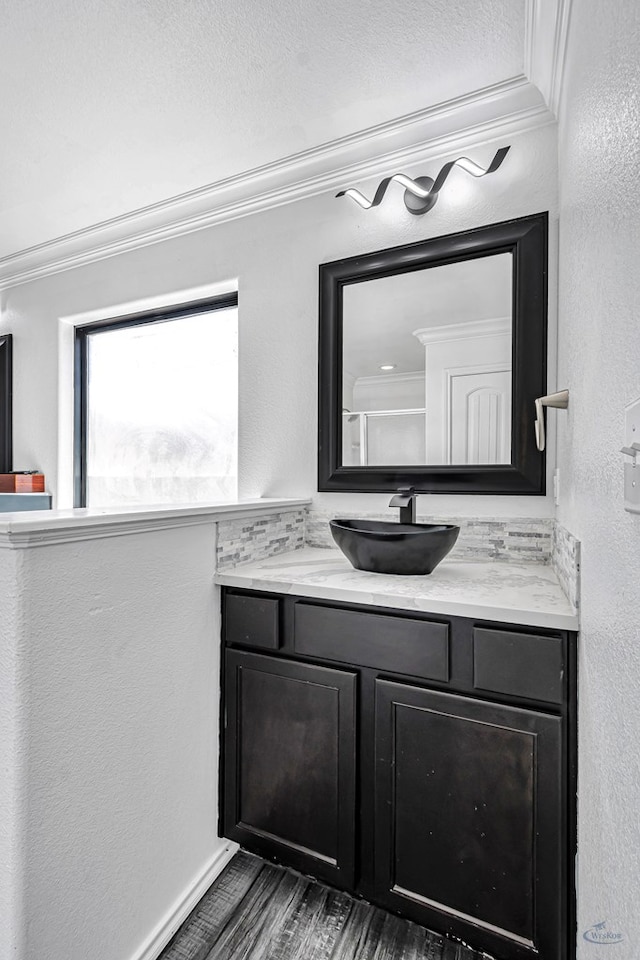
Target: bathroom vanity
x,y
411,740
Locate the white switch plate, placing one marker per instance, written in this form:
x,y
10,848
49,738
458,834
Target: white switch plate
x,y
632,487
632,422
631,469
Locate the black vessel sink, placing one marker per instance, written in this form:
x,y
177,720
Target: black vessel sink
x,y
382,546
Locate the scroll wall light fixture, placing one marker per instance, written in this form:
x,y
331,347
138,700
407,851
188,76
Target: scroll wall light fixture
x,y
421,194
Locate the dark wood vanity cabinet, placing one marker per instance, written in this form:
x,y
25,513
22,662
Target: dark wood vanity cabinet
x,y
427,764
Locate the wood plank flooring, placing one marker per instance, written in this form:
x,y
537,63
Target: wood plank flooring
x,y
258,911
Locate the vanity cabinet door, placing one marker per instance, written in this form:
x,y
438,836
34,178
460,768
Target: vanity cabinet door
x,y
290,763
468,822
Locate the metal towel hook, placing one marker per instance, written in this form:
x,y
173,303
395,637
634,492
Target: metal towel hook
x,y
560,400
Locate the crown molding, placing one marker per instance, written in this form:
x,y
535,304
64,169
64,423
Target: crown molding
x,y
391,378
546,32
495,112
470,330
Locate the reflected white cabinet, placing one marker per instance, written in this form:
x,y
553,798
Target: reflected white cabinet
x,y
468,392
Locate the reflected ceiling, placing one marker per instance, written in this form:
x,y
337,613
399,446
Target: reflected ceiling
x,y
380,316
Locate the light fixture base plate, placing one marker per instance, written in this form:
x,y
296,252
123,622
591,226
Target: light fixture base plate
x,y
418,205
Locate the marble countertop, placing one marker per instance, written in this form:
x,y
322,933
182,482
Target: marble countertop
x,y
519,593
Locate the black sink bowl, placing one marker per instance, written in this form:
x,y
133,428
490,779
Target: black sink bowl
x,y
382,546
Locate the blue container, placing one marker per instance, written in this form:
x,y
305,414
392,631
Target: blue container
x,y
10,502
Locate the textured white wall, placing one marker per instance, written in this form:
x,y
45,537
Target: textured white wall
x,y
599,361
120,664
11,757
275,256
244,83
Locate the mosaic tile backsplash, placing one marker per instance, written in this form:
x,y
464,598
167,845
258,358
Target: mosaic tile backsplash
x,y
256,538
565,557
520,540
491,539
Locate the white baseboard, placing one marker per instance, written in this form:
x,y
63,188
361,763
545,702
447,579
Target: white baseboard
x,y
178,913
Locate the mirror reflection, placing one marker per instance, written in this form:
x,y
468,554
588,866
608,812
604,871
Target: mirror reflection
x,y
426,376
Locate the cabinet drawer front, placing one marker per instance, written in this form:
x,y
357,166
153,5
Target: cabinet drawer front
x,y
416,647
252,621
518,664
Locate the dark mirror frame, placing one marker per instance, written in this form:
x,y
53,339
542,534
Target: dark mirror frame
x,y
526,239
6,403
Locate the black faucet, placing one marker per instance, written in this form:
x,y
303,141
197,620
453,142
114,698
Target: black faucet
x,y
405,498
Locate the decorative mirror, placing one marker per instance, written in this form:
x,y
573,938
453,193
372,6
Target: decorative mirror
x,y
6,393
431,356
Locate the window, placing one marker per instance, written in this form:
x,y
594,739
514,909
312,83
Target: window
x,y
156,407
6,395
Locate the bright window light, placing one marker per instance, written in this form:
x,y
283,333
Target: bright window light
x,y
162,411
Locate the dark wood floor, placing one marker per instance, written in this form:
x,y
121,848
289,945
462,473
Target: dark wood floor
x,y
258,911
